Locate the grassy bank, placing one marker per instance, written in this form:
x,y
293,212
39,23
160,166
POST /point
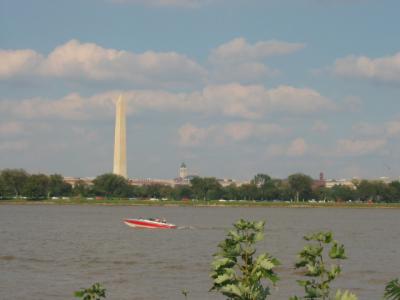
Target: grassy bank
x,y
126,202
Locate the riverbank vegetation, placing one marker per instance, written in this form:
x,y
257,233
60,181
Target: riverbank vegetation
x,y
297,188
195,203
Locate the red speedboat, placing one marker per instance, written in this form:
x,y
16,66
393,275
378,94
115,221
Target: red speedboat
x,y
149,223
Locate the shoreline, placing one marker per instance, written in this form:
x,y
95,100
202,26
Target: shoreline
x,y
122,202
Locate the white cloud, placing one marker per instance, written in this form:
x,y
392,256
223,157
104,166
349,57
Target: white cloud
x,y
11,128
243,130
235,61
320,127
239,61
304,100
20,145
70,107
239,50
390,129
190,135
243,72
254,101
359,147
18,62
381,69
351,104
275,150
344,147
84,133
235,100
88,61
368,129
298,147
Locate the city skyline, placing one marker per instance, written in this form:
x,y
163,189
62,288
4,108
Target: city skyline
x,y
278,87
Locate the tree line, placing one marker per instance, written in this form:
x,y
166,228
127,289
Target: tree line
x,y
17,183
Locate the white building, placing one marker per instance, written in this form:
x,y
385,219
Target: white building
x,y
183,172
344,182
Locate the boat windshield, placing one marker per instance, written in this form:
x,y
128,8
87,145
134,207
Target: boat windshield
x,y
157,220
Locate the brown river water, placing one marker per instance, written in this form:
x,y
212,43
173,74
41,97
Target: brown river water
x,y
47,252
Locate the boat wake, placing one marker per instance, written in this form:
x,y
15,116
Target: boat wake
x,y
186,227
200,228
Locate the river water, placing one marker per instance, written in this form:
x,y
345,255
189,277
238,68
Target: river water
x,y
47,252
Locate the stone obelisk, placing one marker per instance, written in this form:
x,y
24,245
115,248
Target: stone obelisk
x,y
120,167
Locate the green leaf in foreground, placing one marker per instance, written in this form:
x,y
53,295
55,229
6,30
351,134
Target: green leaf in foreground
x,y
236,273
346,295
392,290
318,266
95,292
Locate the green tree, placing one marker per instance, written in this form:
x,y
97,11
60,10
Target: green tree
x,y
166,192
111,185
342,193
322,193
13,181
266,187
376,191
284,190
156,191
236,273
37,186
314,261
231,192
261,179
383,191
215,192
248,191
182,192
152,191
394,188
3,190
206,188
81,189
301,185
58,187
135,191
366,190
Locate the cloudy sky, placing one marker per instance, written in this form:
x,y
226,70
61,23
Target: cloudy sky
x,y
231,87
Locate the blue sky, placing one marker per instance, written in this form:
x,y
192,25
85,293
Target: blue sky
x,y
233,88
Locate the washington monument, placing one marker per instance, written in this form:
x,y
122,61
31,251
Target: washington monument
x,y
120,139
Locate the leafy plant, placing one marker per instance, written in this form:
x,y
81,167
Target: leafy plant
x,y
392,290
236,273
346,295
314,261
95,292
184,293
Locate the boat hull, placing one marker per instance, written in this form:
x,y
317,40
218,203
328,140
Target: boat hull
x,y
149,224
